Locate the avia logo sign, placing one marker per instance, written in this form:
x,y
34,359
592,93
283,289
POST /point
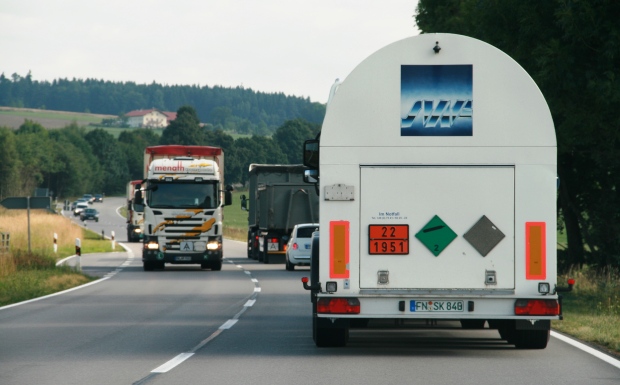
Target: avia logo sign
x,y
436,100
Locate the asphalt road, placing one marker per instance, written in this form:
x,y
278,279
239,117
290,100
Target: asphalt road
x,y
247,324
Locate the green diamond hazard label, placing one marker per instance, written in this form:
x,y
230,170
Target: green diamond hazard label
x,y
436,235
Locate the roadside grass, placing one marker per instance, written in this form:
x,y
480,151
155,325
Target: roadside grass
x,y
592,309
235,219
25,275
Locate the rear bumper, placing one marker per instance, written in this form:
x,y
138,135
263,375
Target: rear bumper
x,y
181,258
438,307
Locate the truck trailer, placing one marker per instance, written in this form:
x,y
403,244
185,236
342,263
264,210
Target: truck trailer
x,y
135,213
184,199
278,200
436,165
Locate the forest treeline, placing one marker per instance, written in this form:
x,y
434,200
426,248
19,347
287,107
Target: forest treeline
x,y
238,109
71,161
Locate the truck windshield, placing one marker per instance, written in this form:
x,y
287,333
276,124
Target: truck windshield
x,y
183,195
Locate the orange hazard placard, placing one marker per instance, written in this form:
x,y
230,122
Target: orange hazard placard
x,y
388,239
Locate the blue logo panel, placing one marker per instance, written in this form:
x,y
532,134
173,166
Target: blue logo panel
x,y
436,100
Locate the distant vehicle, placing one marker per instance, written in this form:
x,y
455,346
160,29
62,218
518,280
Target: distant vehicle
x,y
89,198
73,205
278,200
98,198
183,197
91,214
81,206
135,214
298,250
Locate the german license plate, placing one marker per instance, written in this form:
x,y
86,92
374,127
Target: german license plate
x,y
183,259
435,306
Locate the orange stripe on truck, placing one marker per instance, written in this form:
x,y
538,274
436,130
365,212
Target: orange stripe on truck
x,y
535,250
339,249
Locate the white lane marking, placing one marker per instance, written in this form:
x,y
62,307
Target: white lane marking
x,y
609,359
172,363
225,326
228,324
240,267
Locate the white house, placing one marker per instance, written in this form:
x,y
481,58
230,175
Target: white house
x,y
149,118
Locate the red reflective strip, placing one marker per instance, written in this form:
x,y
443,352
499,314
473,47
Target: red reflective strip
x,y
535,250
338,306
537,307
339,249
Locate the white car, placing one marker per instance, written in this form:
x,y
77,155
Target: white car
x,y
81,206
299,247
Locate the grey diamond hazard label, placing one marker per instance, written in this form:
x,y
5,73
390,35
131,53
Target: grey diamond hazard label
x,y
484,236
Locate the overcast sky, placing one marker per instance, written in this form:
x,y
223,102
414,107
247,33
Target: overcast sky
x,y
290,46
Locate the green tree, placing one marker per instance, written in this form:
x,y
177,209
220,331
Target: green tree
x,y
291,135
37,158
570,48
185,129
133,143
113,160
258,149
9,163
79,169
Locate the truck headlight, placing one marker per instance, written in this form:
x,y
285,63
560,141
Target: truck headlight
x,y
213,245
151,245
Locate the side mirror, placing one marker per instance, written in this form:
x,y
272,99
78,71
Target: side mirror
x,y
244,203
227,198
311,176
311,154
138,200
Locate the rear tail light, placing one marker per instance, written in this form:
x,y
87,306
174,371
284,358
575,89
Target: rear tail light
x,y
295,247
338,306
537,307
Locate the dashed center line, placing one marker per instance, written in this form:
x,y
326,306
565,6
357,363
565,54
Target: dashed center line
x,y
225,326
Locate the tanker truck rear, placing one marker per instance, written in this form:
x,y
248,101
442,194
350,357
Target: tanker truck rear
x,y
437,171
184,199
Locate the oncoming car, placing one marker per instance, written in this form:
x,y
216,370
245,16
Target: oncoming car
x,y
299,247
81,206
91,214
